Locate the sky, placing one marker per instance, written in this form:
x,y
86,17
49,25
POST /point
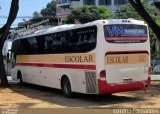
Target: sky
x,y
26,8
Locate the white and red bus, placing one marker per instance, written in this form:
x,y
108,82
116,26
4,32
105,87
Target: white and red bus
x,y
100,57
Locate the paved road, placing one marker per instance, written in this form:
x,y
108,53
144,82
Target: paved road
x,y
30,96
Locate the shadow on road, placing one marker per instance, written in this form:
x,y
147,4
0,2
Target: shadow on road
x,y
55,97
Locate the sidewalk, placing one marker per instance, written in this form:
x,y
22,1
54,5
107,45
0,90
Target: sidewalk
x,y
155,77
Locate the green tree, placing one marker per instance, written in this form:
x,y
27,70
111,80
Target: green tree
x,y
50,9
127,11
146,15
49,12
3,36
36,14
88,13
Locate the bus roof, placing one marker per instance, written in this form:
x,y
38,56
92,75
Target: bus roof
x,y
74,26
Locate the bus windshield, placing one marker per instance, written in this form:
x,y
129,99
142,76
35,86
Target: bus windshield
x,y
126,33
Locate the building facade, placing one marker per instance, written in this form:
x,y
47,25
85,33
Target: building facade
x,y
64,5
112,5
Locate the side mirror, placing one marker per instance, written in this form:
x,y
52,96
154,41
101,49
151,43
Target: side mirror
x,y
9,55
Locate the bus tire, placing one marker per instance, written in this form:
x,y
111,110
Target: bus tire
x,y
66,87
19,76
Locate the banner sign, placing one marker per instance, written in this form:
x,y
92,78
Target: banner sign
x,y
30,29
126,30
64,1
125,33
61,12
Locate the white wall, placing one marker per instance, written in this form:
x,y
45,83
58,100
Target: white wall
x,y
75,4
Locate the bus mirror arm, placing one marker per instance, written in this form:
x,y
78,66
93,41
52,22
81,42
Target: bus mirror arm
x,y
9,55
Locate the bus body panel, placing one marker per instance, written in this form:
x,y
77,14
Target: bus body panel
x,y
120,76
48,70
51,77
105,88
85,76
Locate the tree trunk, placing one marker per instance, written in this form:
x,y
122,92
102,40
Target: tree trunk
x,y
3,80
3,36
137,5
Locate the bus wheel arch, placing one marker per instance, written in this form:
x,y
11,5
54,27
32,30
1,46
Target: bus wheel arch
x,y
66,86
20,77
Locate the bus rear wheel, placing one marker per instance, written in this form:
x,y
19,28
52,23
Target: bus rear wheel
x,y
66,88
20,78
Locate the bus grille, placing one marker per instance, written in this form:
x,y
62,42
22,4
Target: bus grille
x,y
91,83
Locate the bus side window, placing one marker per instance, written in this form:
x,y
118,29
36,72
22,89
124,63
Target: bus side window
x,y
26,46
67,38
33,47
48,44
67,47
92,38
40,43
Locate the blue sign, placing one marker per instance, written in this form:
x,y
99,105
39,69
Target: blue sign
x,y
64,1
115,30
123,31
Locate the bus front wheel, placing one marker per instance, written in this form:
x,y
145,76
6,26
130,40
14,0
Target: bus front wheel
x,y
66,88
20,78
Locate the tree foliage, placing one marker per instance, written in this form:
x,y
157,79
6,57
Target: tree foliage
x,y
88,13
50,9
146,15
127,11
3,36
36,14
49,12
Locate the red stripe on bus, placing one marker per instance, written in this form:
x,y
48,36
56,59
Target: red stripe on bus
x,y
126,38
73,66
132,51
